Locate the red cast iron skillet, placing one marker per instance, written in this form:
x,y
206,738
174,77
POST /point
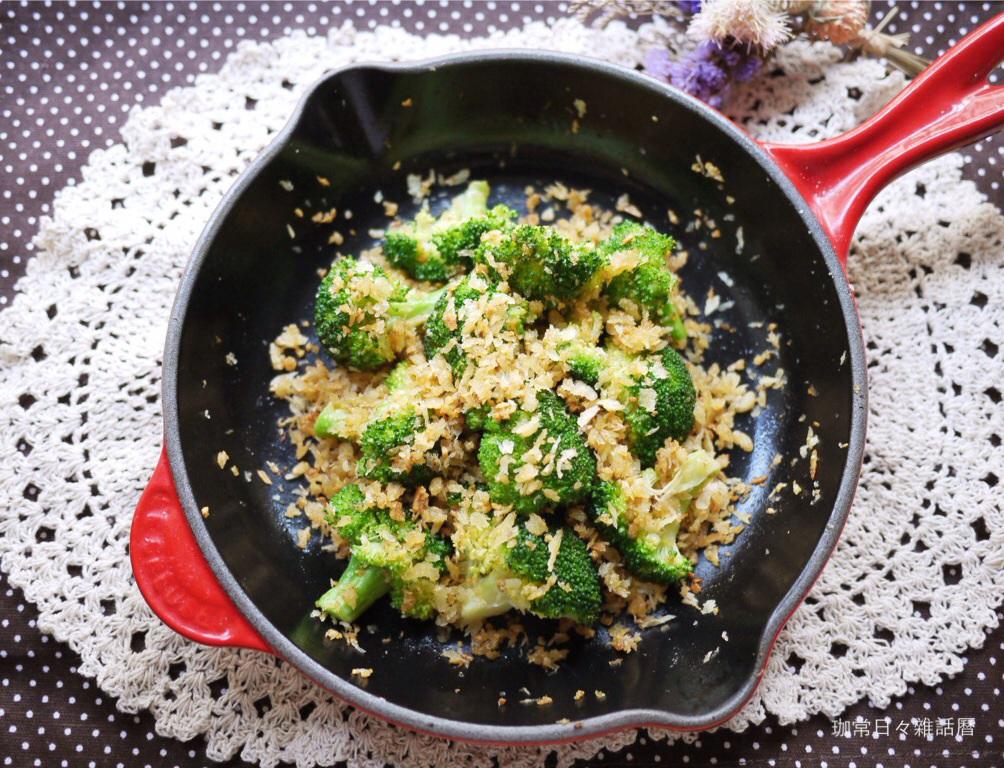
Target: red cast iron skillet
x,y
238,578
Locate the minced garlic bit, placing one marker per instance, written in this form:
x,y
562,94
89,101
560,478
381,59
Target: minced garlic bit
x,y
222,458
540,701
325,217
455,179
419,187
264,477
708,169
624,205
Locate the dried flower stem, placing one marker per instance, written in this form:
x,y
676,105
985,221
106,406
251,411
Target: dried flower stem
x,y
892,48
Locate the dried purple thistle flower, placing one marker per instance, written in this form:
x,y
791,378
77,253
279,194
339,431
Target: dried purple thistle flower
x,y
707,72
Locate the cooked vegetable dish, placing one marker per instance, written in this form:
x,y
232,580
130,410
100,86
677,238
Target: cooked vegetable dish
x,y
508,415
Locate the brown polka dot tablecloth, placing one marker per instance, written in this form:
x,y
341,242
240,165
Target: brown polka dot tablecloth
x,y
69,74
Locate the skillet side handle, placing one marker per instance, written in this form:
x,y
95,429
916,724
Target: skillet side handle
x,y
949,105
173,575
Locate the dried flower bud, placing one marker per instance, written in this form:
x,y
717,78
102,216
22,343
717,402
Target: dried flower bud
x,y
747,22
839,21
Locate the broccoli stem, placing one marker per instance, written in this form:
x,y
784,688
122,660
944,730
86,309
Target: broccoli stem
x,y
677,330
418,305
359,587
484,599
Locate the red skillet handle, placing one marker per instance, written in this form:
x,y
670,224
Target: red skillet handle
x,y
173,574
949,105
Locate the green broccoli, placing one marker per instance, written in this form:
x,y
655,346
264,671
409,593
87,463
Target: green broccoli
x,y
565,464
334,420
440,335
437,249
585,364
357,306
538,263
508,576
650,285
394,425
652,555
387,556
477,418
658,402
583,359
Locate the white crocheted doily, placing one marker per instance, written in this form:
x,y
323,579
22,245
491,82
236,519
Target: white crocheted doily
x,y
80,354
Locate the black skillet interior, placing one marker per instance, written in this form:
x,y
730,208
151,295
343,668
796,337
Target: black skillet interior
x,y
511,121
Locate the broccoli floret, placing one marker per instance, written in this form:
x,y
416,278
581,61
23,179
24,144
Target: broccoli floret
x,y
437,249
658,400
394,425
442,335
658,403
538,263
650,285
457,243
510,576
653,555
357,306
382,439
583,359
387,556
585,363
565,462
669,413
477,418
335,419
